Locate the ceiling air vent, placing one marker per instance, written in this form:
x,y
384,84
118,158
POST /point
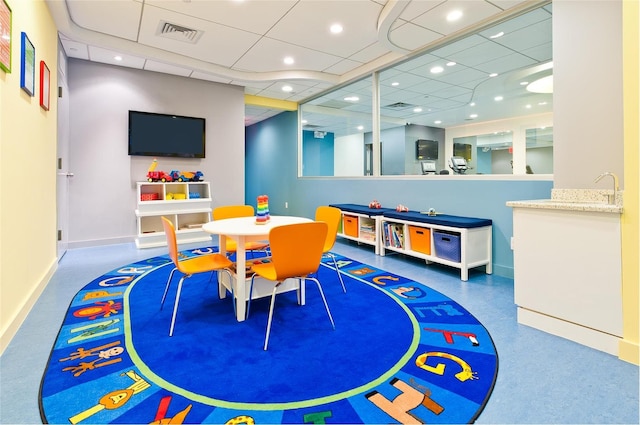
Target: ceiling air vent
x,y
398,105
178,32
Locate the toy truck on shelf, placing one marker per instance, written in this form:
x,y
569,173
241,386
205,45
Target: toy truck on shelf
x,y
186,176
159,176
174,175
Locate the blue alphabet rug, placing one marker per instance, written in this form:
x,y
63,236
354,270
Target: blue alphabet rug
x,y
400,352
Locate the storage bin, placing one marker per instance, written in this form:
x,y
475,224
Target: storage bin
x,y
149,197
420,238
350,224
447,245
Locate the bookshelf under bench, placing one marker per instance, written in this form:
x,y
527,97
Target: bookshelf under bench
x,y
361,224
460,242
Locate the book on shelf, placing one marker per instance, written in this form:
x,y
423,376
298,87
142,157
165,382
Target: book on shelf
x,y
394,235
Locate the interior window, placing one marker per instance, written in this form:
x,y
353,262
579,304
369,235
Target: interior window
x,y
471,99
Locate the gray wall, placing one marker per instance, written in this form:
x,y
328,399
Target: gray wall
x,y
587,93
102,194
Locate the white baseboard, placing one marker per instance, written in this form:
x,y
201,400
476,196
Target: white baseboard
x,y
100,242
12,328
586,336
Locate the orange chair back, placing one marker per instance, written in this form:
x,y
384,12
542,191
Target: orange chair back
x,y
296,249
172,242
331,216
232,211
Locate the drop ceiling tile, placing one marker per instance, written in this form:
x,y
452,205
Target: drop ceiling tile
x,y
267,55
307,24
342,67
513,25
370,53
506,63
411,37
481,53
428,86
527,37
541,53
451,49
210,77
166,68
73,49
462,76
97,54
213,46
473,11
252,16
507,4
119,18
417,8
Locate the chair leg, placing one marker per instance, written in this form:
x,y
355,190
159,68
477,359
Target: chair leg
x,y
175,304
246,316
233,298
166,287
326,306
335,263
273,299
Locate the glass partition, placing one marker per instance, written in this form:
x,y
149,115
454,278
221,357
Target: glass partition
x,y
335,130
465,99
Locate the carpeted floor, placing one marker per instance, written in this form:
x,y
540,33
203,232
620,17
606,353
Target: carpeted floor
x,y
401,352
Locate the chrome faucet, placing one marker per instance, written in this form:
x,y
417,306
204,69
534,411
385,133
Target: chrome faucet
x,y
611,197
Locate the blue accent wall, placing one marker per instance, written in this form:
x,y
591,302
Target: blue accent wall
x,y
271,169
317,155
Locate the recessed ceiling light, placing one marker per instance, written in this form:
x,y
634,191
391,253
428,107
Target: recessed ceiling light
x,y
473,116
336,29
118,58
528,106
451,63
524,83
454,15
437,122
395,83
498,35
288,60
351,99
498,98
542,103
360,127
417,109
304,121
437,69
472,104
493,75
287,88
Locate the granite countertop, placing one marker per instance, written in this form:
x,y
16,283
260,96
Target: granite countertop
x,y
591,200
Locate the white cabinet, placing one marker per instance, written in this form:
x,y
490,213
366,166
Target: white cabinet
x,y
187,205
568,274
459,247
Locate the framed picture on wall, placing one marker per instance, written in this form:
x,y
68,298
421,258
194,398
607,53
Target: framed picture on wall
x,y
44,85
5,36
28,65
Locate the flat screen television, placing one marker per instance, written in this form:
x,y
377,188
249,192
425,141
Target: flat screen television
x,y
152,134
426,149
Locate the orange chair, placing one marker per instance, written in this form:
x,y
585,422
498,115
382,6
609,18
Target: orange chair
x,y
296,252
332,217
233,211
189,267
